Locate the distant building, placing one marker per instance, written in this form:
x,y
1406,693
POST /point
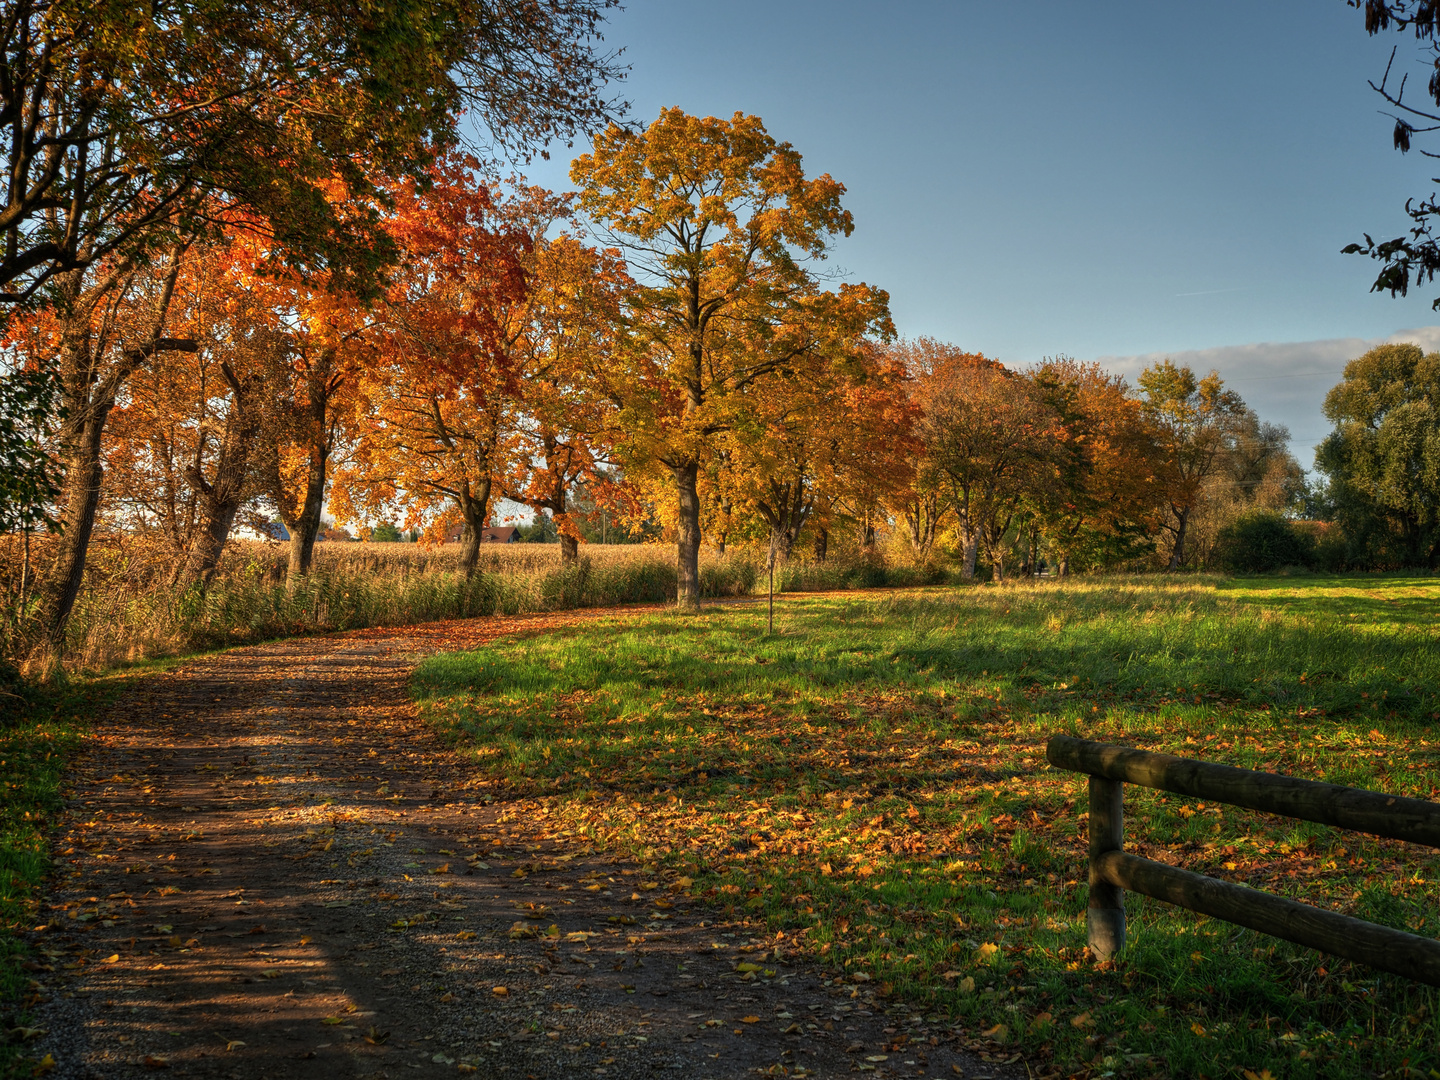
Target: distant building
x,y
491,534
273,530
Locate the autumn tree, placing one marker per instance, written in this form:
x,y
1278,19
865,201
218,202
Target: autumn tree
x,y
1103,502
1193,421
436,396
558,334
996,442
120,116
719,225
98,334
184,439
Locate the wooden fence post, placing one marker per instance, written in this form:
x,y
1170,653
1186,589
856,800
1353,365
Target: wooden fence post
x,y
1105,917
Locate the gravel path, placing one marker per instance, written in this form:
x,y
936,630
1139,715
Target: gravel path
x,y
272,868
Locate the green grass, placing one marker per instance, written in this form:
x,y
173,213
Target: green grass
x,y
46,730
871,780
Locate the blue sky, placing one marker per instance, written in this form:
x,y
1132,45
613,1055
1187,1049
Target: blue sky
x,y
1111,181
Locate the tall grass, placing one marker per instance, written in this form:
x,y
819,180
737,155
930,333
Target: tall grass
x,y
129,608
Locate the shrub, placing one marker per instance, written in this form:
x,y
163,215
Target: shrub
x,y
1261,541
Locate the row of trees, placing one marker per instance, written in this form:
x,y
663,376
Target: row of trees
x,y
661,340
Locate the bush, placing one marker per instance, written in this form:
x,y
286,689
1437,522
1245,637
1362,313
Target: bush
x,y
1264,540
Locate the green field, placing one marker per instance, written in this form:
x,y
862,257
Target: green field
x,y
36,739
871,778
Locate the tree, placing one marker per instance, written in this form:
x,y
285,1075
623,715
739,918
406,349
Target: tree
x,y
1383,457
1193,421
559,333
1103,502
100,333
436,395
994,440
1413,258
121,116
718,222
184,439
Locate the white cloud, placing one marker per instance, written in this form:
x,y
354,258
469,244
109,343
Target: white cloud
x,y
1285,382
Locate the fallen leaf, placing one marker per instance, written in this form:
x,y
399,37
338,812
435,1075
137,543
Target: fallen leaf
x,y
333,1020
580,935
44,1065
999,1033
749,1019
443,868
986,951
500,991
1082,1020
113,958
878,1057
376,1037
155,1061
234,1044
967,985
466,935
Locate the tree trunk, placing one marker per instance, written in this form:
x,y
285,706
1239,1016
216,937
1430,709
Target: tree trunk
x,y
726,508
475,509
822,544
1177,553
221,499
83,475
687,536
1062,568
971,549
305,526
569,549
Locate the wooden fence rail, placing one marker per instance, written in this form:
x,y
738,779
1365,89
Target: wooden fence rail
x,y
1112,871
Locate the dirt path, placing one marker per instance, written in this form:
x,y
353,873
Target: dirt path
x,y
273,869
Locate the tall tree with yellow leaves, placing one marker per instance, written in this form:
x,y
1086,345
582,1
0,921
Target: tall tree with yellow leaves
x,y
719,225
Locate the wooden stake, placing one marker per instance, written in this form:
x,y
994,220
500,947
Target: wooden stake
x,y
1105,918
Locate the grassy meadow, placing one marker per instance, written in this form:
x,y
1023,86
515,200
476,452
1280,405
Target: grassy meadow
x,y
871,781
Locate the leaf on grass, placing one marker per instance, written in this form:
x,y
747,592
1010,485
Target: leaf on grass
x,y
967,985
986,951
999,1033
1084,1019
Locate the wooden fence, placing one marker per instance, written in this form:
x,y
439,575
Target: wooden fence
x,y
1112,871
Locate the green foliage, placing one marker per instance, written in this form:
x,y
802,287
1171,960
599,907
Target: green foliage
x,y
1264,540
871,779
386,533
1383,457
28,483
